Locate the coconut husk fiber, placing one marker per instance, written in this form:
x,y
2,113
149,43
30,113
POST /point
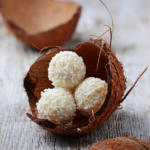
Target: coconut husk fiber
x,y
121,143
40,22
105,66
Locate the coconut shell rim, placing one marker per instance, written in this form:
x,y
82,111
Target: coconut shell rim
x,y
18,29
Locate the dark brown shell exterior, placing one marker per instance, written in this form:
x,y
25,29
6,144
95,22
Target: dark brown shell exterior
x,y
56,36
121,143
110,70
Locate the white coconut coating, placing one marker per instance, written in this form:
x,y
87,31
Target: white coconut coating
x,y
56,105
66,69
90,95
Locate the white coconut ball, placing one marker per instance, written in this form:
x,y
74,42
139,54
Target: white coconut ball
x,y
66,69
56,105
90,95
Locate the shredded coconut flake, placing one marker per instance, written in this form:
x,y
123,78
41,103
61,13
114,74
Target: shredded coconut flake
x,y
90,95
56,105
66,69
78,129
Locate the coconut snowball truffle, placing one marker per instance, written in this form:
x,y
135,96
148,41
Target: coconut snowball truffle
x,y
56,105
66,69
90,95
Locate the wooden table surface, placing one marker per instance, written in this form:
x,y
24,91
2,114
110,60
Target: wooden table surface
x,y
131,40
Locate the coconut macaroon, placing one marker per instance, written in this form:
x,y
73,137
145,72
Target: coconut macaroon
x,y
66,69
57,105
90,95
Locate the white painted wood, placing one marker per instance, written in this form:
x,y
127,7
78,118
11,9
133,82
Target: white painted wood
x,y
131,44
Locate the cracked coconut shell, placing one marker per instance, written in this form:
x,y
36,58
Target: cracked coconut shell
x,y
109,69
40,22
121,143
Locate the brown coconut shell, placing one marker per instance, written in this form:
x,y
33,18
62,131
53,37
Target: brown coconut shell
x,y
121,143
109,69
40,22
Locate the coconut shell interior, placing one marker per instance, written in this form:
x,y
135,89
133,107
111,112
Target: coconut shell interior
x,y
109,69
122,143
35,16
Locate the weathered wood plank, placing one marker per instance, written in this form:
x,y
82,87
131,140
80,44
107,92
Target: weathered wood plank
x,y
131,43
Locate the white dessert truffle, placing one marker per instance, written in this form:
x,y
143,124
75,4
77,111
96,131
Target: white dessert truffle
x,y
56,105
90,95
66,69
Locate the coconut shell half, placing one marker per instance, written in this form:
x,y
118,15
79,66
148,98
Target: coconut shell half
x,y
109,69
40,22
121,143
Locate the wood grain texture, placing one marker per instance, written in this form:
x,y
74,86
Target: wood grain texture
x,y
131,44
